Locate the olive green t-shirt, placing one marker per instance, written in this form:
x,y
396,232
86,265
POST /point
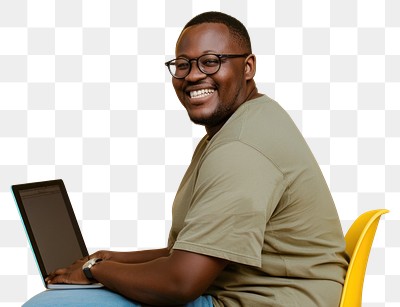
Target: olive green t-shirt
x,y
255,195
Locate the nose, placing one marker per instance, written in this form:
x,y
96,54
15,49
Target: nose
x,y
195,73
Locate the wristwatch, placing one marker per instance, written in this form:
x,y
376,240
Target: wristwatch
x,y
88,265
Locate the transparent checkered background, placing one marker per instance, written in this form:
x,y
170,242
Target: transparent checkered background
x,y
85,96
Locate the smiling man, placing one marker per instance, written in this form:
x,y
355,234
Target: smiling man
x,y
214,87
254,223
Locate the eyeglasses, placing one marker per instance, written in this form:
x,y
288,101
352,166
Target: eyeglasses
x,y
207,63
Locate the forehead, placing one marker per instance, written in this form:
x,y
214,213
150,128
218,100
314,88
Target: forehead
x,y
205,37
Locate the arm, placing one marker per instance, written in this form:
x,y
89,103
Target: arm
x,y
131,257
176,279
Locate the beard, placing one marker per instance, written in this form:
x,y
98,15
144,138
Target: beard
x,y
219,116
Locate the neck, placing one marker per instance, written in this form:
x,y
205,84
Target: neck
x,y
252,94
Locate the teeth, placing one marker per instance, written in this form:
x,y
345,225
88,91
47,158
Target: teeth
x,y
201,93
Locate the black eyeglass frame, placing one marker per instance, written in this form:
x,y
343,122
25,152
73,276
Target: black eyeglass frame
x,y
219,56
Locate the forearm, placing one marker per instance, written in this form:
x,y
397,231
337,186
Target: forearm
x,y
132,257
174,279
154,282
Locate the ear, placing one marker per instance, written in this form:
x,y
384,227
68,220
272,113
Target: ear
x,y
250,68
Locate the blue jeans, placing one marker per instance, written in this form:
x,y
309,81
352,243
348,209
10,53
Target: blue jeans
x,y
94,298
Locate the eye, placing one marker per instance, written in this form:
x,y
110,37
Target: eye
x,y
209,61
181,64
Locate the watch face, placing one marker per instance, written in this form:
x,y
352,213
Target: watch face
x,y
91,262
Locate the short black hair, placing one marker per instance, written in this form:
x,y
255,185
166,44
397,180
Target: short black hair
x,y
236,28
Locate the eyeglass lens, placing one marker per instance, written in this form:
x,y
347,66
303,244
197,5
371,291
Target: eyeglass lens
x,y
208,64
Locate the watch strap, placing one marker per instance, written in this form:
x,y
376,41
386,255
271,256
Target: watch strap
x,y
88,265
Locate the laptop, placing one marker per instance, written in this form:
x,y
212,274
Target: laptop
x,y
51,227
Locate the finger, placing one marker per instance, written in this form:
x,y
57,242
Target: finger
x,y
77,262
57,279
60,271
50,277
54,277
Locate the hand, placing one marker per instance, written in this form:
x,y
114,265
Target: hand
x,y
72,274
103,254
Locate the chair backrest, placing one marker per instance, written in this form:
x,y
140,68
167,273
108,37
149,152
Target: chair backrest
x,y
359,240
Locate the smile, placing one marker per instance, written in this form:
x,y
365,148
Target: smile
x,y
201,93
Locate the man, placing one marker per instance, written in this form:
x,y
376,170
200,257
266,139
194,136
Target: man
x,y
254,223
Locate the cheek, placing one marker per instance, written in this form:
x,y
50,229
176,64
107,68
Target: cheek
x,y
177,84
228,83
229,76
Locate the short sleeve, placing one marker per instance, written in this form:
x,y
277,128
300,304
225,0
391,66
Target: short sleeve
x,y
236,191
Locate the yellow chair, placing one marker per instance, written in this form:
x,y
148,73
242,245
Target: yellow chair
x,y
359,240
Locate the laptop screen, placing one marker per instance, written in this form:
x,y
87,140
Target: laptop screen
x,y
50,224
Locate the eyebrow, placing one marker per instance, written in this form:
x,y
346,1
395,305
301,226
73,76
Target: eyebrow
x,y
205,52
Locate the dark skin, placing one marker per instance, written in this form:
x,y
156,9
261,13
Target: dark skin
x,y
233,84
153,277
163,277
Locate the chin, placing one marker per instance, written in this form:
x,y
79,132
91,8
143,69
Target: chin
x,y
208,121
199,120
208,115
199,114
